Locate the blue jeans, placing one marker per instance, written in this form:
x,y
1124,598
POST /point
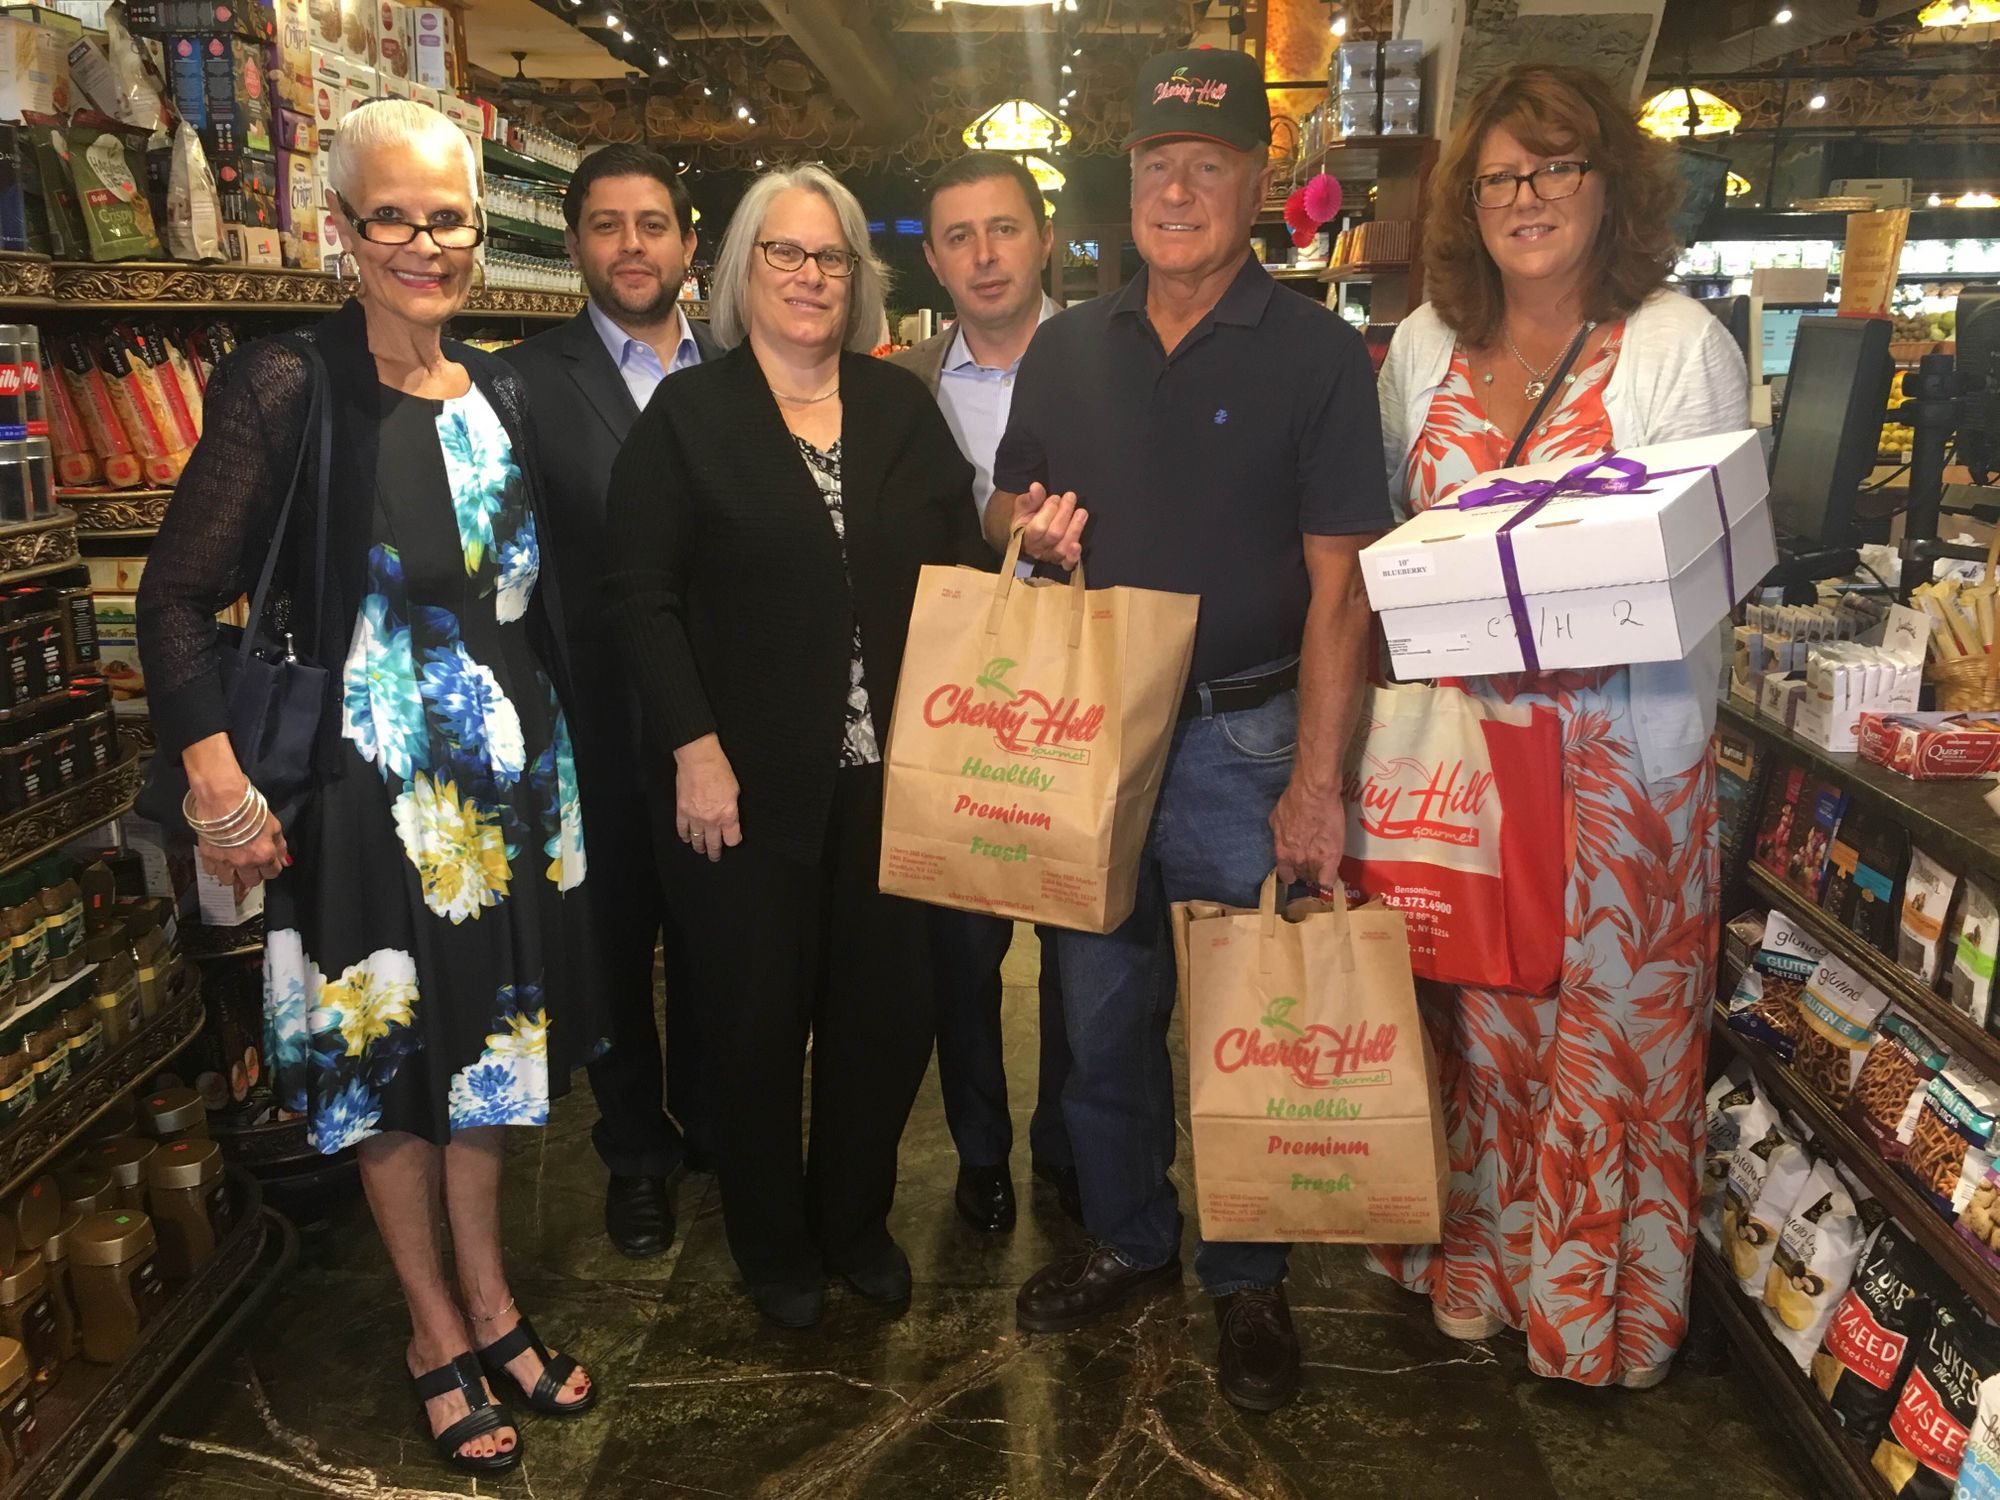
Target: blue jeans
x,y
966,952
1210,841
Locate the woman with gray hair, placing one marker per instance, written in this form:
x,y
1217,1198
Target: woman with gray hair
x,y
422,985
767,519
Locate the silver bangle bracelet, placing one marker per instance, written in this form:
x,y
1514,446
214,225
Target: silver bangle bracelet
x,y
210,825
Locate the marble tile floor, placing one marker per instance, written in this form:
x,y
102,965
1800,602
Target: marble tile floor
x,y
946,1401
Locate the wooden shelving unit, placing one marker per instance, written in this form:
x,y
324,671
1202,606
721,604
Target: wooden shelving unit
x,y
1399,167
80,1420
1841,1464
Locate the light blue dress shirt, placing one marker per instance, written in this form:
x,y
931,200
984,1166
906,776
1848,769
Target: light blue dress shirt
x,y
976,399
639,363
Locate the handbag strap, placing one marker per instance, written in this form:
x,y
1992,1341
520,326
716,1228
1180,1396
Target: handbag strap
x,y
1548,394
317,405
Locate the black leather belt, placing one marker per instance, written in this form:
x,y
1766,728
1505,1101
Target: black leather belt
x,y
1235,695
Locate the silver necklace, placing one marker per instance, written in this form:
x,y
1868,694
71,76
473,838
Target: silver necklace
x,y
807,400
1538,380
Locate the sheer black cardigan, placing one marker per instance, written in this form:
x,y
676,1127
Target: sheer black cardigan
x,y
218,528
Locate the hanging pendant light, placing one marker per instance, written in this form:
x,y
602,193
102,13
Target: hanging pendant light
x,y
1668,113
1735,185
1017,125
1959,13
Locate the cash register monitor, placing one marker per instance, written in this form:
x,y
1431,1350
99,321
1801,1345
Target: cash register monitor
x,y
1829,429
1978,332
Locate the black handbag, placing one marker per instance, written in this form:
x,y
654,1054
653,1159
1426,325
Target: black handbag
x,y
275,698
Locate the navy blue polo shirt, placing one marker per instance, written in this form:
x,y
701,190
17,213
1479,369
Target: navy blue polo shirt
x,y
1204,470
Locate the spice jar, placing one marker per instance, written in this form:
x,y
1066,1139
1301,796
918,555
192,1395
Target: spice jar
x,y
17,1409
87,1187
55,1257
35,1211
173,1114
126,1161
189,1202
61,900
117,1282
48,1046
116,997
81,1026
17,1074
28,1315
26,938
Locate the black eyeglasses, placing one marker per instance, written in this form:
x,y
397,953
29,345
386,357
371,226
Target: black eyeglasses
x,y
402,231
1559,179
783,255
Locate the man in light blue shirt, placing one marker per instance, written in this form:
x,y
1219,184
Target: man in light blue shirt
x,y
988,239
631,233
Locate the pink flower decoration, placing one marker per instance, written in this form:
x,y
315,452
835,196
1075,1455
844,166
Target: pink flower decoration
x,y
1322,197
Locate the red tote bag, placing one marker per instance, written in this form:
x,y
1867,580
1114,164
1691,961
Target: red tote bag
x,y
1454,817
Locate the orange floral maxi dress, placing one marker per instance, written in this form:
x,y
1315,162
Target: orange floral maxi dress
x,y
1574,1119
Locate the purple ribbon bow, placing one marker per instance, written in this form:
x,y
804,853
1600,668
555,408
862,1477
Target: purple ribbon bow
x,y
1627,476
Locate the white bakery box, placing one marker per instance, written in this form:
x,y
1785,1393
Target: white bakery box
x,y
1606,579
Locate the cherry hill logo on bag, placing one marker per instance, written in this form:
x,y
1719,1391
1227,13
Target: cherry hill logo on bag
x,y
1318,1057
1410,799
1023,721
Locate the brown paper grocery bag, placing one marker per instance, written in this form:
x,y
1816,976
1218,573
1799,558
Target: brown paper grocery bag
x,y
1311,1086
1031,731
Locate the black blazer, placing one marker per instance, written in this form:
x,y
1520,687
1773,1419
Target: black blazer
x,y
727,595
582,411
218,528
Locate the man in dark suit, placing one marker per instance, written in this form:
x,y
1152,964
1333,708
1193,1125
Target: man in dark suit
x,y
631,233
988,240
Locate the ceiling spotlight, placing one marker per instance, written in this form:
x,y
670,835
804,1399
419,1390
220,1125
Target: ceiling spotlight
x,y
760,161
1077,53
1067,68
1783,17
708,91
741,106
661,59
683,164
627,35
611,20
1340,26
1069,5
1934,201
1818,100
749,119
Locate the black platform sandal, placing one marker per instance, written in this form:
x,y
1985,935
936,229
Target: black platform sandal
x,y
556,1370
485,1418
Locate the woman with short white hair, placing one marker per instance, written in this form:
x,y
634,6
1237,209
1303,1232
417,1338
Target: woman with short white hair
x,y
767,519
421,964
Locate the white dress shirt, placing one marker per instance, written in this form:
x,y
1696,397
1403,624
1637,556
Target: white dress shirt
x,y
976,399
637,361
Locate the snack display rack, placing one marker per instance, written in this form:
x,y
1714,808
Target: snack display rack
x,y
1946,819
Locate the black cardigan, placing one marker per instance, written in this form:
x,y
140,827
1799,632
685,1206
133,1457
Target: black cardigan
x,y
725,586
218,528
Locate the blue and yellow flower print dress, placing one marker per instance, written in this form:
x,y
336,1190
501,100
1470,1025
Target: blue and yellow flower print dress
x,y
410,961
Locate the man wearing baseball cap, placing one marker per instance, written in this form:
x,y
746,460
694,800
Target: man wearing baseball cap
x,y
1203,431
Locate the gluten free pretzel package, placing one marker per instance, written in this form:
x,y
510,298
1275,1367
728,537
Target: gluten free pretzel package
x,y
1839,1010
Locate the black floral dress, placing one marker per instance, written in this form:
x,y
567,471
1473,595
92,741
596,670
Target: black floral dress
x,y
412,948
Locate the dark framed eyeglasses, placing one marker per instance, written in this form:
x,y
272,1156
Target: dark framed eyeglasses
x,y
402,231
783,255
1559,179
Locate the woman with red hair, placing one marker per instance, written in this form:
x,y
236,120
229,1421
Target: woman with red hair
x,y
1575,1117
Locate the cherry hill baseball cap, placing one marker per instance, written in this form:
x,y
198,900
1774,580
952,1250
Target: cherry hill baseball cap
x,y
1205,91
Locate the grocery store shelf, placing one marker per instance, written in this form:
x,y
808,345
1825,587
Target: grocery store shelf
x,y
40,287
1898,1194
1784,224
1965,1036
1363,158
31,548
117,513
513,163
79,1421
27,1146
521,229
1841,1464
1365,270
43,826
1948,819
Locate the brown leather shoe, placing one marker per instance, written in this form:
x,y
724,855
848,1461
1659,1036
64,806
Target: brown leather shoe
x,y
1078,1289
1260,1351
